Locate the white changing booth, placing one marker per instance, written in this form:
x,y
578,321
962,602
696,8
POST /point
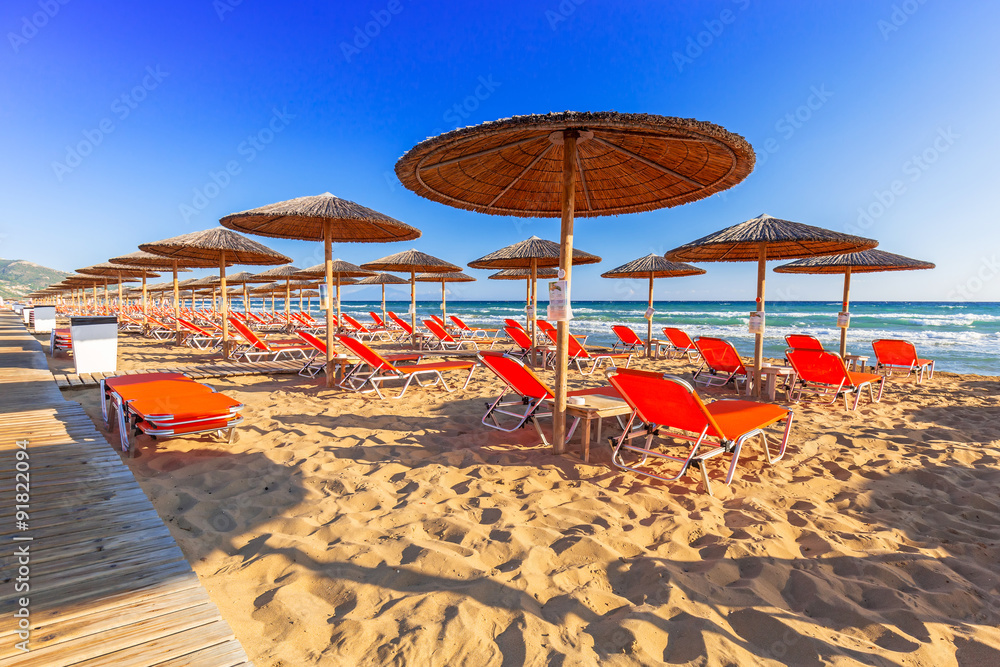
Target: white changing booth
x,y
95,344
45,319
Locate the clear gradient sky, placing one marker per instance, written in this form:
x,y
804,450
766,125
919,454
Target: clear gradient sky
x,y
119,120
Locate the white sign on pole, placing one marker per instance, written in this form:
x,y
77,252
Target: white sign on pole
x,y
560,309
757,322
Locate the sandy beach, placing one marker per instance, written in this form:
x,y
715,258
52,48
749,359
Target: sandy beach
x,y
341,529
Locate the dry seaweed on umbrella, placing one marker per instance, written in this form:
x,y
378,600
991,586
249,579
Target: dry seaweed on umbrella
x,y
784,239
524,274
444,278
339,266
383,279
626,163
210,244
866,261
520,255
653,265
304,218
411,261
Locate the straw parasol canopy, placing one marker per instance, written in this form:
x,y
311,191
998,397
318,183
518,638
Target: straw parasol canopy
x,y
625,163
532,253
109,269
382,279
322,218
223,246
148,259
576,163
760,239
650,267
286,272
522,274
341,271
412,262
866,261
241,278
547,273
444,278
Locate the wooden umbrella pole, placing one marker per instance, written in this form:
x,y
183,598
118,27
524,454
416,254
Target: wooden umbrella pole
x,y
300,298
338,299
328,249
383,302
223,305
288,304
121,304
413,309
107,306
566,265
177,306
144,316
533,311
649,320
246,300
758,345
444,309
846,306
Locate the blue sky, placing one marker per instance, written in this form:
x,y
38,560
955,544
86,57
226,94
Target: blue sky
x,y
119,122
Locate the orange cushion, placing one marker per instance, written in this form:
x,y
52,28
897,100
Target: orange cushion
x,y
738,417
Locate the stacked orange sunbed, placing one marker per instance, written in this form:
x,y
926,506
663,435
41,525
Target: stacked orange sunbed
x,y
166,405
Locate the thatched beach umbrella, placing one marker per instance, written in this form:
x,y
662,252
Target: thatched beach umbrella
x,y
382,279
867,261
175,264
341,271
575,164
225,247
322,218
83,281
412,262
444,278
760,239
650,267
279,274
532,254
107,269
241,278
525,274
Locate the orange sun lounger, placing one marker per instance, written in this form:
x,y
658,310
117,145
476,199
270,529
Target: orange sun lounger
x,y
578,353
627,339
824,374
681,343
803,342
317,361
448,342
721,363
892,353
667,408
163,405
472,332
531,392
383,370
257,348
361,330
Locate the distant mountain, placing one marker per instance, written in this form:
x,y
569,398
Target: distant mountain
x,y
19,277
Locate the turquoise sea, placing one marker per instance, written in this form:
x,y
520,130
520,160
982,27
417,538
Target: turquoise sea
x,y
961,337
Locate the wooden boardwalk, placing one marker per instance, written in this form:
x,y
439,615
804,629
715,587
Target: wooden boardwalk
x,y
107,583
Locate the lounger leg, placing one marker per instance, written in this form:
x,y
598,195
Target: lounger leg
x,y
704,476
